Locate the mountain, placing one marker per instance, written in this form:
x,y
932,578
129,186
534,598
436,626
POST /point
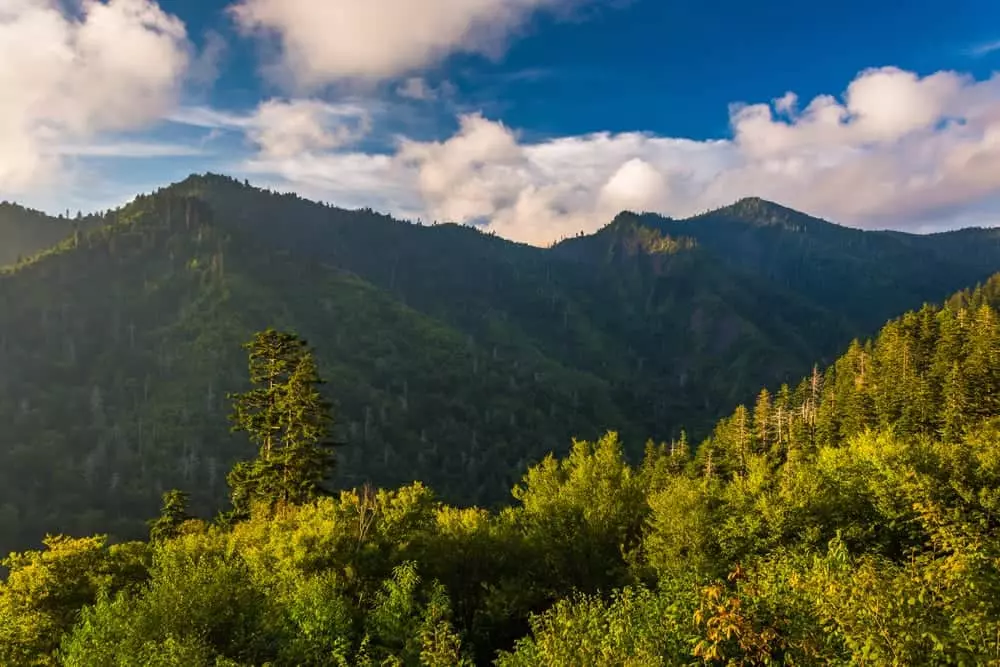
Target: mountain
x,y
120,347
862,275
453,357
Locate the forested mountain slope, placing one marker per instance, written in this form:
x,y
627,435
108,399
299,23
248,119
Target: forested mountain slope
x,y
666,296
24,232
931,373
853,520
119,349
865,276
659,328
454,357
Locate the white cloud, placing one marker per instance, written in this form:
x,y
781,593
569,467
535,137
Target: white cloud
x,y
895,150
68,76
287,128
322,41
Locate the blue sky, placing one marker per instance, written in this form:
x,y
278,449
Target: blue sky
x,y
536,118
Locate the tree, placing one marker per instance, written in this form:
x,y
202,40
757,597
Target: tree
x,y
285,415
762,421
173,513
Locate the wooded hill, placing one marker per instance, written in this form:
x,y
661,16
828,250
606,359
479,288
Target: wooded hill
x,y
453,357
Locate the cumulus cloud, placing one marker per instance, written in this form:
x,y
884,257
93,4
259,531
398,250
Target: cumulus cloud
x,y
68,76
894,150
329,40
283,129
286,129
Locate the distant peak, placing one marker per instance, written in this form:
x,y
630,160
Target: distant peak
x,y
623,218
631,218
209,178
760,212
760,204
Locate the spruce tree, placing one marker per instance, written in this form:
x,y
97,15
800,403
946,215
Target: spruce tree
x,y
173,513
288,419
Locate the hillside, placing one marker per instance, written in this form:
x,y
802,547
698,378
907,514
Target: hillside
x,y
24,232
664,315
454,357
867,277
852,521
120,348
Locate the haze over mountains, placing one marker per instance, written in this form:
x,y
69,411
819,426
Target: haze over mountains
x,y
454,357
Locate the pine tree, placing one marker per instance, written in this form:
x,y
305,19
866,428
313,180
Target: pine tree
x,y
956,404
285,415
741,432
762,421
174,512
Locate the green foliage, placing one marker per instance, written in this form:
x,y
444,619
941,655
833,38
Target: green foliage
x,y
173,514
583,515
287,418
258,595
44,592
909,576
200,603
634,627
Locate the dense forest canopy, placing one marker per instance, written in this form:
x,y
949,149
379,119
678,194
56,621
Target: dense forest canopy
x,y
453,357
849,518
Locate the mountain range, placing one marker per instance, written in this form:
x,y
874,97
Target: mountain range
x,y
453,356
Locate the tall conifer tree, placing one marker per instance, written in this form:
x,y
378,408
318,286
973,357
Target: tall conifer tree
x,y
285,415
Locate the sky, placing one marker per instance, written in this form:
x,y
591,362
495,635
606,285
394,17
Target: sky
x,y
534,119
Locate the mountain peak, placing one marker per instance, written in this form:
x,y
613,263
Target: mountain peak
x,y
760,205
758,212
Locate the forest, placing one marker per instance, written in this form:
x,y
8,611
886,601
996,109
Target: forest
x,y
452,357
849,518
26,231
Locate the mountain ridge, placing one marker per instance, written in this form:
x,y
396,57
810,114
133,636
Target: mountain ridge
x,y
736,211
455,356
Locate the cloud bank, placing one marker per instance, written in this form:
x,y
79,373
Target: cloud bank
x,y
68,76
325,41
894,150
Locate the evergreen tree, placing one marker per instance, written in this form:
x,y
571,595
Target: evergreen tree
x,y
956,404
762,421
172,515
285,415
